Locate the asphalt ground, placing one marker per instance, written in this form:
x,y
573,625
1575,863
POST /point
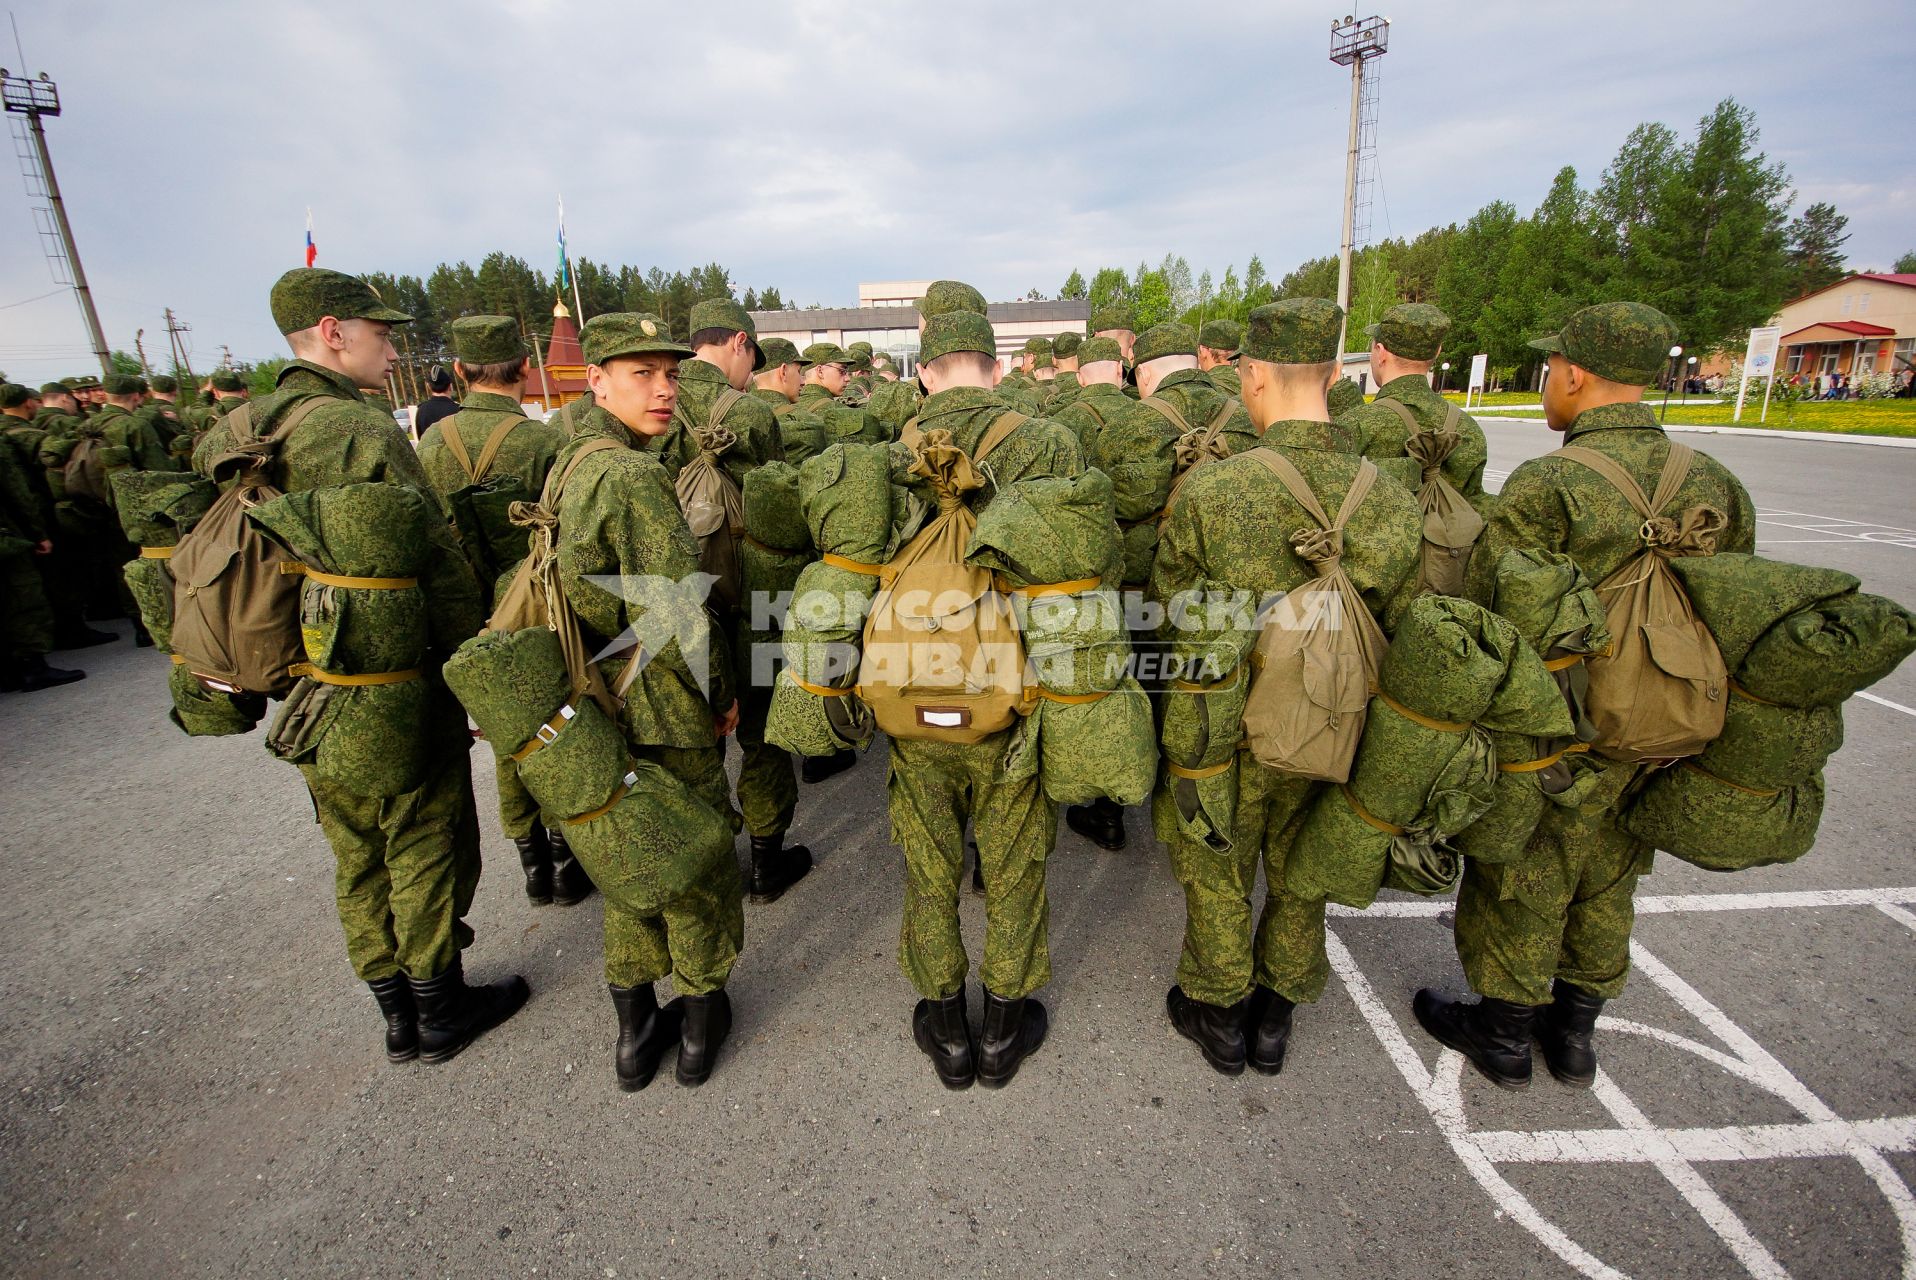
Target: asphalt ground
x,y
193,1082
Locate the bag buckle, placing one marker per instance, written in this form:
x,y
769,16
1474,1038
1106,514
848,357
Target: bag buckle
x,y
549,732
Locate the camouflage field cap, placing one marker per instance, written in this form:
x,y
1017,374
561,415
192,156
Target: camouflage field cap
x,y
1294,331
727,314
55,389
1342,397
1413,330
956,331
227,380
13,395
480,340
1066,344
1119,315
1625,342
628,333
1043,361
779,352
84,382
860,349
1037,346
1221,335
826,353
1098,350
165,382
861,354
950,295
306,295
880,360
123,384
1161,340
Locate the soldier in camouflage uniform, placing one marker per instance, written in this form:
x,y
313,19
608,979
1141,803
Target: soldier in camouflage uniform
x,y
825,379
1404,343
61,573
123,425
26,617
727,354
619,517
858,380
1218,342
1144,447
1231,529
162,411
1343,396
1064,383
1551,931
800,436
936,787
1100,397
490,354
229,392
894,402
407,865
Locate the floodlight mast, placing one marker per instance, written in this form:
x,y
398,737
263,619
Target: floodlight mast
x,y
34,98
1354,42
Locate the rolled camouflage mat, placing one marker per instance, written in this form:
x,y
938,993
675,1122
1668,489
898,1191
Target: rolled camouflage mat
x,y
1074,644
1202,725
1055,529
1767,746
156,507
653,843
813,724
774,510
204,713
1448,658
1200,809
1719,826
846,493
1740,596
1824,654
1551,602
510,683
826,620
1088,751
577,763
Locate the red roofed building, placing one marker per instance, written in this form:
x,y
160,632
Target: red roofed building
x,y
1863,324
559,378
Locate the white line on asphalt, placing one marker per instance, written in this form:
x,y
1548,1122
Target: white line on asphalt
x,y
1905,918
1885,702
1664,904
1732,1142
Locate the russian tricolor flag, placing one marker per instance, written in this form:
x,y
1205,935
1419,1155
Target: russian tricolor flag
x,y
312,250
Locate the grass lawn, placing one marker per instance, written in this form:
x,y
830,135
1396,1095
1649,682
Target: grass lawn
x,y
1848,417
1496,397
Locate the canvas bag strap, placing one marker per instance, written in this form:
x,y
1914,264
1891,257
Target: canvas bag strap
x,y
494,442
556,483
1624,482
1280,466
1676,469
997,433
1168,412
723,405
1360,488
449,432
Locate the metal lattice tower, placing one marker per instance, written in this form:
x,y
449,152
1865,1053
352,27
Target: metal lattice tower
x,y
1358,44
1366,155
29,101
35,181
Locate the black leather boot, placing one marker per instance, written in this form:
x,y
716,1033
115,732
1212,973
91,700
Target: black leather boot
x,y
452,1015
1013,1031
34,675
402,1018
1218,1032
80,636
645,1032
942,1029
1268,1030
707,1021
1101,822
819,768
570,884
141,640
776,868
1493,1034
1564,1031
535,855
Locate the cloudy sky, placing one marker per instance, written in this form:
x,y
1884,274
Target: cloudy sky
x,y
811,146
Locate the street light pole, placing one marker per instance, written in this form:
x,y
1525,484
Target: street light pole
x,y
34,98
1664,411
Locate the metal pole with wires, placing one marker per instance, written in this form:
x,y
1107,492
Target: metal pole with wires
x,y
34,99
1354,42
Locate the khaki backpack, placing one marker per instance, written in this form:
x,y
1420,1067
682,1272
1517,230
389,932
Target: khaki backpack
x,y
942,659
235,590
1195,447
713,506
84,473
1451,525
1317,653
1659,692
481,508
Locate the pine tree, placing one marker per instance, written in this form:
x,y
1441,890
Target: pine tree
x,y
1816,239
1074,287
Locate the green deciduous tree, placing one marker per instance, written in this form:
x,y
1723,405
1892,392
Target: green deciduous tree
x,y
1816,239
1075,288
1906,265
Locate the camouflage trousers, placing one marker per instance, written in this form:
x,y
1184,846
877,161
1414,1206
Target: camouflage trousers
x,y
406,868
697,937
767,778
934,788
1562,910
518,811
1223,956
26,630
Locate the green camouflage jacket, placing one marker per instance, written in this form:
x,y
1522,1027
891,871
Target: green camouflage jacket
x,y
1064,389
1379,434
1039,448
800,435
1225,378
526,454
346,441
23,513
132,432
1090,409
1231,531
1139,449
837,424
1554,504
701,383
619,518
893,404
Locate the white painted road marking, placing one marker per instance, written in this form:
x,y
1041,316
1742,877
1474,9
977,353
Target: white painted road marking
x,y
1885,702
1673,1152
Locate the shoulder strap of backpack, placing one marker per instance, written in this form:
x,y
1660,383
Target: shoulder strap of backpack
x,y
1166,410
997,432
494,442
1623,481
1453,418
723,405
1676,469
1280,466
1402,410
449,432
1360,486
556,481
1215,427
